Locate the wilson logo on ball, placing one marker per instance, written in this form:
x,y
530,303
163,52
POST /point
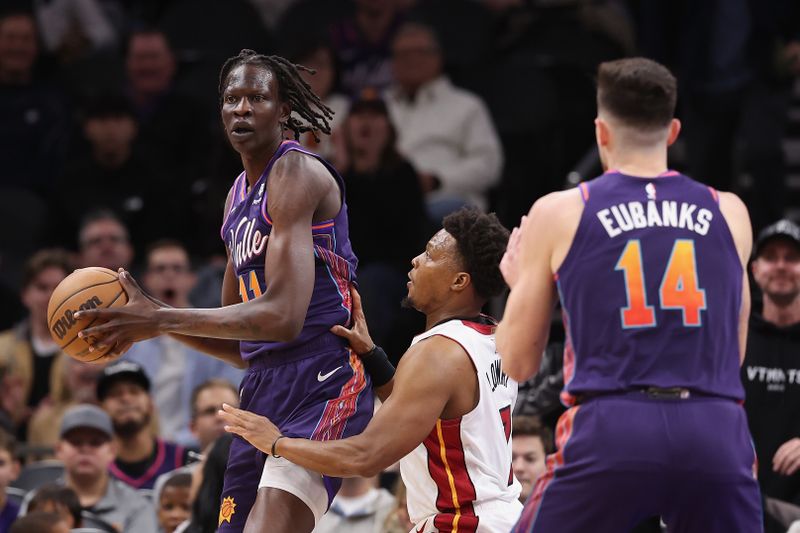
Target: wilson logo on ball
x,y
67,320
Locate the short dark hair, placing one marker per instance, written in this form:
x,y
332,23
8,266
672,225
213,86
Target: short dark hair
x,y
531,426
44,259
108,105
182,479
18,9
101,213
638,91
481,241
38,522
58,495
210,384
161,244
8,443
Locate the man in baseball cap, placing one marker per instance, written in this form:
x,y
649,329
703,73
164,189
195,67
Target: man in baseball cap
x,y
124,393
87,449
769,372
785,230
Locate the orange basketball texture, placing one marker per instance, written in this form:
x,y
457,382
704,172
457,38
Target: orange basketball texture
x,y
85,288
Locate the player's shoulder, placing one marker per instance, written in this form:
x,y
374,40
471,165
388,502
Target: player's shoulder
x,y
297,169
296,159
731,202
437,353
557,207
738,219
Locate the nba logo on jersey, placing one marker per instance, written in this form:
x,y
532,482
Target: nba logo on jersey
x,y
650,189
257,199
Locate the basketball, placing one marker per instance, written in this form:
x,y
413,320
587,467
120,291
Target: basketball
x,y
85,288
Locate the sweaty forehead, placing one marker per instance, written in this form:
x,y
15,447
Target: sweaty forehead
x,y
441,241
251,76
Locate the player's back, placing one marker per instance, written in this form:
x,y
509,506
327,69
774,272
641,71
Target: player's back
x,y
460,477
651,289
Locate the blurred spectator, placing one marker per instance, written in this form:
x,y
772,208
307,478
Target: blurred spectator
x,y
207,291
362,43
735,61
445,132
382,190
124,393
271,10
530,443
28,353
174,503
359,507
540,396
87,450
173,126
9,470
112,173
77,384
169,278
398,520
104,241
75,28
205,509
207,400
60,500
771,369
40,522
33,117
320,56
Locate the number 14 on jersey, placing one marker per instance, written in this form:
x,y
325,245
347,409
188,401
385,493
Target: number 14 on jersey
x,y
679,289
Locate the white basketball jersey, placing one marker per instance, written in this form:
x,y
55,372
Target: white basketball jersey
x,y
464,464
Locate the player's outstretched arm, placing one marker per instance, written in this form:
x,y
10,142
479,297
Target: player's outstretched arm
x,y
427,378
374,359
523,331
223,349
296,188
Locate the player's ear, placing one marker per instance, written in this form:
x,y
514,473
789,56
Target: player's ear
x,y
674,131
286,110
602,132
461,281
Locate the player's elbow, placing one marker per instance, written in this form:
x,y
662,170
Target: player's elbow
x,y
520,367
363,462
366,467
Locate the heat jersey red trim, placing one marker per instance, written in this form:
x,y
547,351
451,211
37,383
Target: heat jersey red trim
x,y
448,469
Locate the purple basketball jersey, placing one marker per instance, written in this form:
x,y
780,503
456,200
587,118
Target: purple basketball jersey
x,y
246,231
651,289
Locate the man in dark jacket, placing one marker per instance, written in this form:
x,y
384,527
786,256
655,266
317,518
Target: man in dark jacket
x,y
771,370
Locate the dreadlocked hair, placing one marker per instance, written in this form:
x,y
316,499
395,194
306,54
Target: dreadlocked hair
x,y
292,89
481,241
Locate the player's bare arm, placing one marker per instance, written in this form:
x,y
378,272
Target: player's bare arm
x,y
299,189
431,383
540,245
738,219
361,342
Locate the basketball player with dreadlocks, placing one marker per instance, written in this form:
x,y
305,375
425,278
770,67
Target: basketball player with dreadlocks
x,y
290,266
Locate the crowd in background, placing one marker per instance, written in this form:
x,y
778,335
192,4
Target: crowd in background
x,y
112,154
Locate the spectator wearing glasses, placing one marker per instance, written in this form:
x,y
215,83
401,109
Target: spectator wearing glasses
x,y
104,241
207,399
169,278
